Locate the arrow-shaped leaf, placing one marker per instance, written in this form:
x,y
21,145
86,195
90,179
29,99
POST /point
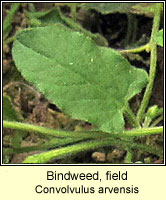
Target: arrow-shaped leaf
x,y
84,80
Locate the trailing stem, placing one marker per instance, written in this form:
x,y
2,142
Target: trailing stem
x,y
84,146
86,134
131,117
153,64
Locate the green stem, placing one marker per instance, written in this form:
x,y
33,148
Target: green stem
x,y
45,157
42,147
149,119
8,20
86,134
129,28
74,11
145,47
10,39
157,121
99,39
51,132
144,131
153,63
129,156
131,117
135,29
133,121
89,145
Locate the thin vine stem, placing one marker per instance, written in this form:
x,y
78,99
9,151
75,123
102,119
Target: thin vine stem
x,y
153,64
157,121
131,117
42,147
148,120
145,47
129,156
144,131
50,132
84,146
8,20
73,8
87,134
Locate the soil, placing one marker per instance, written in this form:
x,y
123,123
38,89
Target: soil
x,y
36,109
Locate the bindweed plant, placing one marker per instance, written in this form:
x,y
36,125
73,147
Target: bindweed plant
x,y
76,70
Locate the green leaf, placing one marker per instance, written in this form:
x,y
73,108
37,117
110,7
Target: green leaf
x,y
7,24
147,9
45,17
53,16
99,39
159,38
84,80
9,113
154,111
106,8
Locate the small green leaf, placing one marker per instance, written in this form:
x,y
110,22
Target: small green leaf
x,y
106,8
45,17
7,24
153,112
159,38
9,113
86,81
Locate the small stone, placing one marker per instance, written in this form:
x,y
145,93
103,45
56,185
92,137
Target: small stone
x,y
99,156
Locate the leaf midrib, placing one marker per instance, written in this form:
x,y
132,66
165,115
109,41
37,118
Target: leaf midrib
x,y
73,71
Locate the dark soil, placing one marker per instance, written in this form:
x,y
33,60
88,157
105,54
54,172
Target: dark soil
x,y
35,109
